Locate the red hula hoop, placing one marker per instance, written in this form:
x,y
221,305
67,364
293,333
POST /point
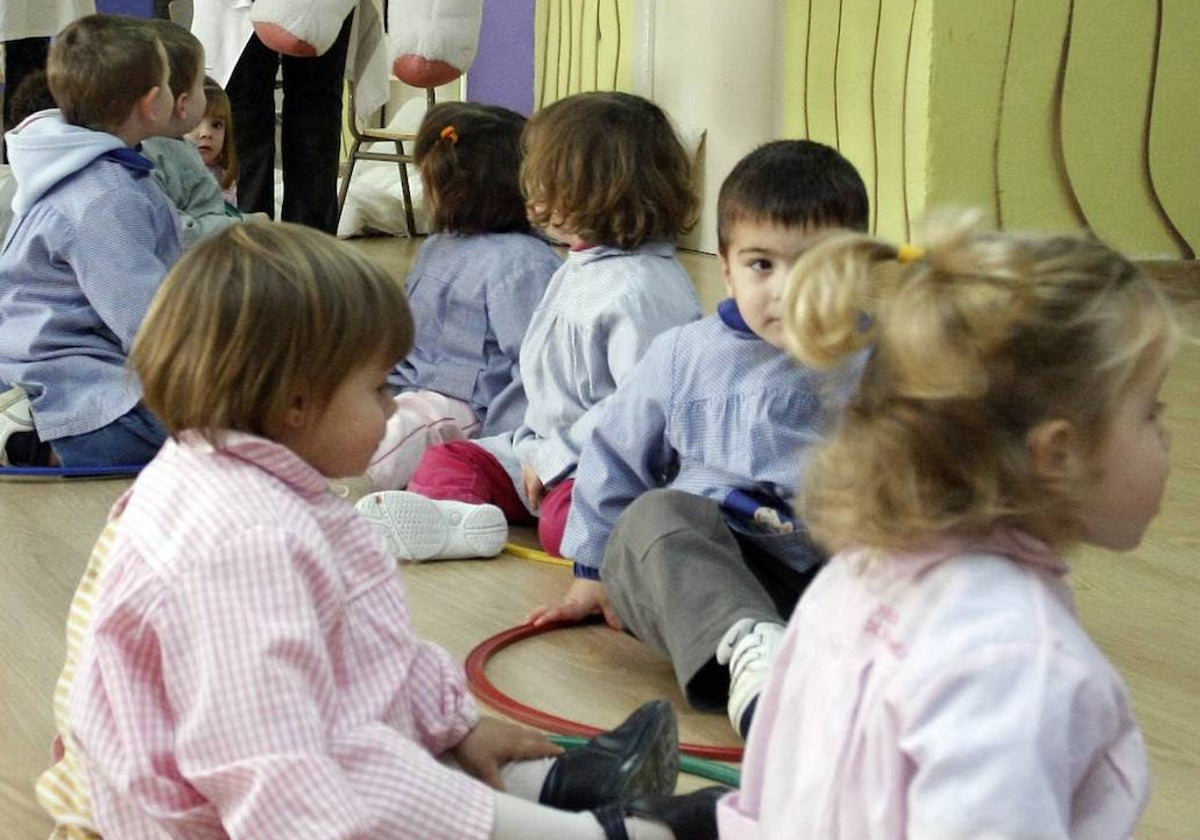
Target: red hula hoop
x,y
477,679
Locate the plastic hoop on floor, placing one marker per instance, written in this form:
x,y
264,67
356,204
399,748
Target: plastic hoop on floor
x,y
704,768
477,679
44,473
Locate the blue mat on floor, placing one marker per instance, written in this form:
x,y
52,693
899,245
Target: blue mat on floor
x,y
51,473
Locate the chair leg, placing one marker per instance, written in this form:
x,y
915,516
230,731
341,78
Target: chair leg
x,y
409,220
351,159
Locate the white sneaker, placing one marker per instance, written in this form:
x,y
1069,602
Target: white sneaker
x,y
16,417
749,649
417,528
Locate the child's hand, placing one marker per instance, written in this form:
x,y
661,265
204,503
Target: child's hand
x,y
534,489
493,743
584,597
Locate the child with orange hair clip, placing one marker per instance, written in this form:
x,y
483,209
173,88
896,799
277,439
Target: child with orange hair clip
x,y
606,173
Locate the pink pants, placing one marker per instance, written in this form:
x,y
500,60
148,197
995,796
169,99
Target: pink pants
x,y
422,419
465,472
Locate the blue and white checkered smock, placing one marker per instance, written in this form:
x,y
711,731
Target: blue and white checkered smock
x,y
472,297
600,313
91,242
711,410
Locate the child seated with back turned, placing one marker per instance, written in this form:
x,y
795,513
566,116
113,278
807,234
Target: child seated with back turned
x,y
934,680
213,137
178,166
247,668
92,239
605,173
681,526
474,287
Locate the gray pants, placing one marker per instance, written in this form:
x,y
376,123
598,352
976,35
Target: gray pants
x,y
679,577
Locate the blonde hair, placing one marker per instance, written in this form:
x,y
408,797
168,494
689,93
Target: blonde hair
x,y
100,66
257,315
981,338
220,107
609,168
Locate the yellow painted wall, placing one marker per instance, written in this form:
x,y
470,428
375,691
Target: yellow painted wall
x,y
1049,114
581,45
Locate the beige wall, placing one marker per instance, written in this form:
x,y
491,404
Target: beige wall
x,y
1048,114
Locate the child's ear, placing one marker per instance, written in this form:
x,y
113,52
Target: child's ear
x,y
725,274
146,105
297,414
181,103
1053,450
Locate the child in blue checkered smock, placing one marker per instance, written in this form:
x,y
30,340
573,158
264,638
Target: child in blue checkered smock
x,y
681,526
605,173
474,287
92,239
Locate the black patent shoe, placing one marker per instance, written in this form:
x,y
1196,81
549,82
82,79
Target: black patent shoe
x,y
690,816
638,758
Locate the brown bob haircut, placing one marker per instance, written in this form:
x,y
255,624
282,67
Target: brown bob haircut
x,y
470,159
609,168
257,315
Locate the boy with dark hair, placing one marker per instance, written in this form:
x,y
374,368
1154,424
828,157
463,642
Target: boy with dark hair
x,y
91,240
681,525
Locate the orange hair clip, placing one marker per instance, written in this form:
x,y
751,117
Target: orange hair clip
x,y
450,133
908,253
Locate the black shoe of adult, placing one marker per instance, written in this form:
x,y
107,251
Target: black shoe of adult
x,y
690,816
638,758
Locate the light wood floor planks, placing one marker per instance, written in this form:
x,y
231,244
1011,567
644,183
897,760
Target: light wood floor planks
x,y
1140,608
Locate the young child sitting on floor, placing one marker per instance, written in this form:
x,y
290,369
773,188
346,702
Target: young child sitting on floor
x,y
934,680
681,526
248,668
213,137
92,239
605,173
178,166
474,287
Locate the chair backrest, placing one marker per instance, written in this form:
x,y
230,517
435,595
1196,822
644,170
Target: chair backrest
x,y
180,11
352,124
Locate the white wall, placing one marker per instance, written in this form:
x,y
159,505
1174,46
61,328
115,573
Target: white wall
x,y
732,51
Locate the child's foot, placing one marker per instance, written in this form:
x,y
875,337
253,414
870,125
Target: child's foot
x,y
417,528
689,815
18,441
749,649
638,758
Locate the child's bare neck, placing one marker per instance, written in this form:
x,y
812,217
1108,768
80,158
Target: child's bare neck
x,y
130,135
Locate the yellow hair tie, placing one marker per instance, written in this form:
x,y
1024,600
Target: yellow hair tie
x,y
908,252
450,133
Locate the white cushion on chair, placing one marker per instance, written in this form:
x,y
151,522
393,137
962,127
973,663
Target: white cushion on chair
x,y
375,203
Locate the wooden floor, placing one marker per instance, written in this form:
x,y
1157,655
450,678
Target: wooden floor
x,y
1141,608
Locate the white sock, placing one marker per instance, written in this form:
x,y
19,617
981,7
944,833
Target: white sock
x,y
524,779
518,819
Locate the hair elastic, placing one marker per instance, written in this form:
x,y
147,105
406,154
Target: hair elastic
x,y
450,133
908,253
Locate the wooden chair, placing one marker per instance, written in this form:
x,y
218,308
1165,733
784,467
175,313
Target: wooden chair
x,y
360,149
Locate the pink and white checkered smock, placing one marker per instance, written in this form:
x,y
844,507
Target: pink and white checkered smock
x,y
251,671
941,694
